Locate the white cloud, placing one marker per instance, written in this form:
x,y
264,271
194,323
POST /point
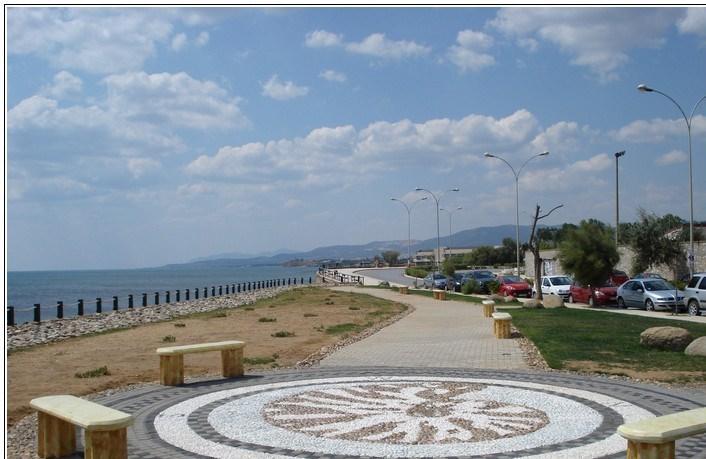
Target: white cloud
x,y
597,38
378,45
468,54
202,38
322,39
278,90
178,42
672,157
694,21
658,129
563,138
141,166
332,75
64,84
564,178
530,44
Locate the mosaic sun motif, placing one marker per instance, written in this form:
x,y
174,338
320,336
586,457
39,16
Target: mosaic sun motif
x,y
403,413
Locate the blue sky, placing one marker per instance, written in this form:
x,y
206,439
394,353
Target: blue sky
x,y
145,136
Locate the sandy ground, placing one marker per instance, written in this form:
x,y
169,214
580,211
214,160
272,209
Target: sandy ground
x,y
130,354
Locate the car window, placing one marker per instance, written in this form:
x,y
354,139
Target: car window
x,y
546,282
511,279
693,281
561,280
631,286
702,285
654,285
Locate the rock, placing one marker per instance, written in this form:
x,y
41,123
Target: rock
x,y
532,304
697,347
667,338
509,299
553,301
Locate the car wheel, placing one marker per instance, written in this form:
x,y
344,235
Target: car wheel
x,y
693,308
571,299
649,305
621,303
591,302
534,294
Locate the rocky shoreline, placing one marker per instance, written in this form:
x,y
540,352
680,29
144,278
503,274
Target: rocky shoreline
x,y
49,331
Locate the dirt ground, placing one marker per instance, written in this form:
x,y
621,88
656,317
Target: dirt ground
x,y
588,366
130,354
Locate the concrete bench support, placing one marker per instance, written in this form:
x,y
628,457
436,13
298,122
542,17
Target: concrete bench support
x,y
59,415
439,295
488,308
404,290
501,325
655,438
171,360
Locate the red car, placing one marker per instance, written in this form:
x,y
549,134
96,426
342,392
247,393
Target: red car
x,y
618,278
513,286
603,294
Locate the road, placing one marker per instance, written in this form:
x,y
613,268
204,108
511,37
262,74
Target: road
x,y
391,275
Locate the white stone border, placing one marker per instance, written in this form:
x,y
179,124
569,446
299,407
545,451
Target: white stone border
x,y
171,424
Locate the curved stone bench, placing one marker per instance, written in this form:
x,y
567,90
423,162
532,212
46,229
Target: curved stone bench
x,y
488,308
655,437
501,325
171,360
59,415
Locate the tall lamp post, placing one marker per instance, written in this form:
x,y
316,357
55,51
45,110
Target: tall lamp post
x,y
517,196
617,201
438,238
409,224
451,212
645,88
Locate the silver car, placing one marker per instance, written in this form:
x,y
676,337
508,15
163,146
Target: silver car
x,y
649,294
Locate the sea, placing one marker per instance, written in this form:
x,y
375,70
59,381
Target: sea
x,y
26,288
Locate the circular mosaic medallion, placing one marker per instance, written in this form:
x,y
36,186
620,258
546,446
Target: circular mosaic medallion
x,y
398,416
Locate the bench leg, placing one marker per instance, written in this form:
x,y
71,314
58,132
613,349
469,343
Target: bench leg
x,y
171,369
55,437
109,444
650,450
232,360
501,329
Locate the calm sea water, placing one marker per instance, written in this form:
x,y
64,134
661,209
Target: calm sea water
x,y
25,288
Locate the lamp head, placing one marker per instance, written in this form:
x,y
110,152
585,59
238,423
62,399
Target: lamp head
x,y
424,198
488,155
644,88
419,189
544,153
619,154
455,189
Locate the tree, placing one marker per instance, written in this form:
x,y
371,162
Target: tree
x,y
448,267
589,253
656,240
390,257
534,246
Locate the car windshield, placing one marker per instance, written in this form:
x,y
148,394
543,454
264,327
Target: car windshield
x,y
439,276
511,279
482,275
561,280
654,285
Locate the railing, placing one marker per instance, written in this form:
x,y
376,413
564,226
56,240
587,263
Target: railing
x,y
333,275
80,304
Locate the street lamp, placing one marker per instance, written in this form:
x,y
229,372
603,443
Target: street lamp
x,y
517,196
409,224
451,212
645,88
617,205
438,239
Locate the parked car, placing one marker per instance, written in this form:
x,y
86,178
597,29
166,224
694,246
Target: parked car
x,y
648,276
481,276
695,294
513,286
435,280
618,277
554,285
649,294
605,293
454,283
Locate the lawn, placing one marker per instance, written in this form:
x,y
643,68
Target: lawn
x,y
608,343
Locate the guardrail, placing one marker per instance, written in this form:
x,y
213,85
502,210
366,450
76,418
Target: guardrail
x,y
335,276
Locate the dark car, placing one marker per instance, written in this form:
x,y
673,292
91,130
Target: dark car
x,y
605,293
455,282
513,286
482,276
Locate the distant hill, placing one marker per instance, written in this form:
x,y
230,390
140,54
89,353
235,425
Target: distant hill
x,y
486,235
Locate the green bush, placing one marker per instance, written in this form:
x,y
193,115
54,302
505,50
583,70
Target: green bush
x,y
95,373
493,286
471,286
416,272
680,284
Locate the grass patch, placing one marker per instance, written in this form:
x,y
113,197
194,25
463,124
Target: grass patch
x,y
610,341
169,339
282,334
342,328
258,360
310,314
354,308
249,309
180,325
95,373
267,319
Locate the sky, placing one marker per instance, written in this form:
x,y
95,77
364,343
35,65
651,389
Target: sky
x,y
143,136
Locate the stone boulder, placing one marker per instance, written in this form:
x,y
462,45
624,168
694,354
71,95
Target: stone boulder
x,y
497,297
697,347
532,304
667,338
553,301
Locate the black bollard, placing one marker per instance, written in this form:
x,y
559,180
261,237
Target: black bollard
x,y
205,292
220,290
227,289
115,303
213,291
168,297
59,309
232,288
37,313
295,281
309,280
11,316
99,305
144,300
186,294
289,281
130,303
178,295
238,288
196,293
80,307
248,286
301,282
156,298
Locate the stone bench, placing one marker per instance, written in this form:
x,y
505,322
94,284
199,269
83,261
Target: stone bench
x,y
439,294
501,325
655,437
404,290
59,415
171,360
488,308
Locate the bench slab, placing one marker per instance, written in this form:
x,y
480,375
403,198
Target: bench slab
x,y
502,316
83,413
667,428
203,347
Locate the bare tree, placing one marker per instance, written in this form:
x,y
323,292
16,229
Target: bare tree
x,y
534,248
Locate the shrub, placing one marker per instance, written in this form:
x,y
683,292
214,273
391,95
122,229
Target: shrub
x,y
493,286
354,308
416,272
95,373
180,325
267,319
309,314
282,334
169,339
258,360
471,286
680,284
341,328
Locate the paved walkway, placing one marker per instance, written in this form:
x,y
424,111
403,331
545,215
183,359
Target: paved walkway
x,y
450,334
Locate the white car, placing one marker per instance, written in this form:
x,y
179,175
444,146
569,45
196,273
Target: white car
x,y
555,285
695,294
